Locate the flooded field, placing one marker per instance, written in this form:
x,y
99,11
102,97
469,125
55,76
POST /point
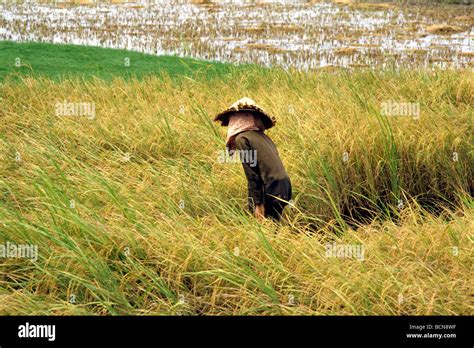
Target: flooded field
x,y
301,34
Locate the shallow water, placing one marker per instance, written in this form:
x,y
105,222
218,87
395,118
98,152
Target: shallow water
x,y
299,34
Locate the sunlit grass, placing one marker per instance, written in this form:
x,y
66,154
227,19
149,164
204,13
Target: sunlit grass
x,y
125,246
65,61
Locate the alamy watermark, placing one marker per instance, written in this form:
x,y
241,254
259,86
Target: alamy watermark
x,y
28,330
393,108
238,156
19,251
355,251
83,109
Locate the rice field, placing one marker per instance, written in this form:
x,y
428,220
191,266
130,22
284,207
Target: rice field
x,y
115,200
132,211
300,34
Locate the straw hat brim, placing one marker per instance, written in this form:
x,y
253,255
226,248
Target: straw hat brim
x,y
223,117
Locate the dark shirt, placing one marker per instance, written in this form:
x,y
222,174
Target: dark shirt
x,y
268,178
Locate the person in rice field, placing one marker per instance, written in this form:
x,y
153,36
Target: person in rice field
x,y
269,186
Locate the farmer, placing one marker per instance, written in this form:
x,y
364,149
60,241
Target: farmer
x,y
269,186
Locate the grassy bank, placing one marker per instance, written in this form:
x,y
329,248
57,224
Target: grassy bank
x,y
133,213
65,61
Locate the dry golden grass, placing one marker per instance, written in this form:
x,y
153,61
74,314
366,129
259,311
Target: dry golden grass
x,y
345,51
129,247
443,29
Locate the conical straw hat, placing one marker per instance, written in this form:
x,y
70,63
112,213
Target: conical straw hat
x,y
245,104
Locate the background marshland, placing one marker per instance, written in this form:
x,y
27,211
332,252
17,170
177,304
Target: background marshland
x,y
299,34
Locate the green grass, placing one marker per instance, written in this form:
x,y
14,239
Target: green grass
x,y
65,61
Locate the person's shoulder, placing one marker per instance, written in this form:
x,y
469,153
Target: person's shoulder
x,y
247,138
243,136
249,134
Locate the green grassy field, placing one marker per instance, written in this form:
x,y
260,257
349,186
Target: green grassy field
x,y
133,213
63,61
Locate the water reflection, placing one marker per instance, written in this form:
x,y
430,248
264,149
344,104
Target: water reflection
x,y
300,34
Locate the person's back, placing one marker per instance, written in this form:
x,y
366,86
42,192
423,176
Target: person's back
x,y
268,180
269,186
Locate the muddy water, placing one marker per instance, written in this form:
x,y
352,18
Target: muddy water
x,y
300,34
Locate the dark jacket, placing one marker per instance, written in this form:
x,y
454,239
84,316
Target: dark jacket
x,y
268,177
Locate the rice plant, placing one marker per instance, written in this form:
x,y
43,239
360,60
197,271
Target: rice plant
x,y
133,213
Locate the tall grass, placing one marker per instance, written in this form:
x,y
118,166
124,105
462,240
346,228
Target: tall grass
x,y
158,225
